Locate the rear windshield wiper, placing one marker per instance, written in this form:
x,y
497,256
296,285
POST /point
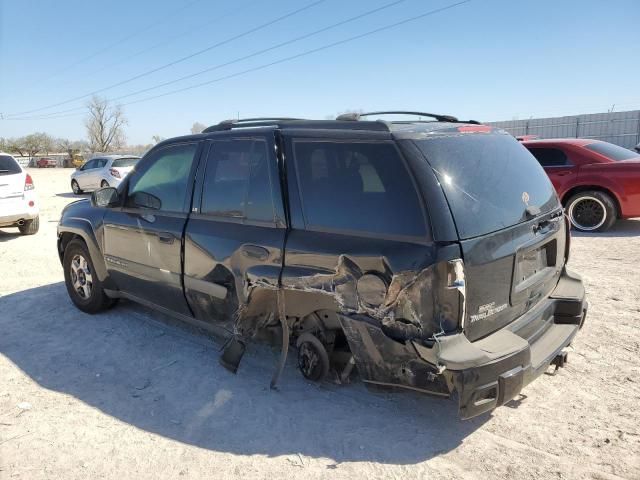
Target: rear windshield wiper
x,y
532,211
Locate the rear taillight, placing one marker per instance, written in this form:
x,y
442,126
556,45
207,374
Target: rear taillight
x,y
456,285
114,173
28,183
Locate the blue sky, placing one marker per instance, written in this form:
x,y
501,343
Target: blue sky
x,y
486,60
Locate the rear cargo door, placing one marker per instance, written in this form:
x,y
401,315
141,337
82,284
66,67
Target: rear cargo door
x,y
11,181
509,223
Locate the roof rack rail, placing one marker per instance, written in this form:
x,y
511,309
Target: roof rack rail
x,y
247,122
356,116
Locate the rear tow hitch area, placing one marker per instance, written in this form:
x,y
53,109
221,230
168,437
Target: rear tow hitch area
x,y
560,361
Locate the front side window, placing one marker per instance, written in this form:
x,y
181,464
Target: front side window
x,y
161,183
89,165
357,187
550,157
237,181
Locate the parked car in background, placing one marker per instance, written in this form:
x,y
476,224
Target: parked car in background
x,y
637,148
18,200
100,172
597,182
361,243
46,162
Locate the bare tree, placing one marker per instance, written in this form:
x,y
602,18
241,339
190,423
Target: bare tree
x,y
105,125
197,127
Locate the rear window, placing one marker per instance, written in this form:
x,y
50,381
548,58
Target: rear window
x,y
357,187
125,162
489,180
611,151
8,166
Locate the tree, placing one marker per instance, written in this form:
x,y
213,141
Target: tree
x,y
36,143
157,138
105,125
71,147
4,144
16,145
197,127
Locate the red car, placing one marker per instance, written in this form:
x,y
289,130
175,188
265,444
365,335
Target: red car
x,y
45,162
598,182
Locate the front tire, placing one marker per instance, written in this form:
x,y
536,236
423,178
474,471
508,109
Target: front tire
x,y
75,187
30,227
83,285
592,211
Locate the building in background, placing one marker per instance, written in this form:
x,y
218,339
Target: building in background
x,y
619,128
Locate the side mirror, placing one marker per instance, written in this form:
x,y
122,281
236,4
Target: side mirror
x,y
105,197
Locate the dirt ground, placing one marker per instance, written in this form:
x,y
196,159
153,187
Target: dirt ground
x,y
131,394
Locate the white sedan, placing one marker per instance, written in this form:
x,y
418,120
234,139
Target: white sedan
x,y
100,172
18,200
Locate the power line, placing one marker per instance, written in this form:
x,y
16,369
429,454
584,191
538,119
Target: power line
x,y
175,62
173,38
251,55
299,55
122,40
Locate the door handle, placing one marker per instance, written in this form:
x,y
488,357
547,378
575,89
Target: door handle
x,y
167,238
253,251
563,174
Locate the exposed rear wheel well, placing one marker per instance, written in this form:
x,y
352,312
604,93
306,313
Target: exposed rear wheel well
x,y
586,188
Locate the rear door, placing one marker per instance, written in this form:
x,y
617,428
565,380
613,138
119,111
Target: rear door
x,y
143,239
509,222
234,239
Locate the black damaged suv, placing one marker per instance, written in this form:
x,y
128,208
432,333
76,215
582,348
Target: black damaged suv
x,y
429,255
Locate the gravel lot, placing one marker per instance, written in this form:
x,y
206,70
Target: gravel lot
x,y
131,394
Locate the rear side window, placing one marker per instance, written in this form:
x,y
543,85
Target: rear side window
x,y
357,187
162,182
237,181
550,157
611,151
8,166
124,162
489,181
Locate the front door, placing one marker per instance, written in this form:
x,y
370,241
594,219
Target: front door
x,y
235,234
143,239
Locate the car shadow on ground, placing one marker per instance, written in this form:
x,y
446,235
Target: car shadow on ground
x,y
141,368
8,233
78,196
622,228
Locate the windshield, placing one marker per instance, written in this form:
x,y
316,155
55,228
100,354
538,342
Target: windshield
x,y
8,166
612,152
489,181
125,162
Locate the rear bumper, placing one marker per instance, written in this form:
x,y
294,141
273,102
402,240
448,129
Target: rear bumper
x,y
483,374
12,212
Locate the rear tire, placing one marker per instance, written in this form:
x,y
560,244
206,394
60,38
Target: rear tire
x,y
83,285
30,227
592,211
75,187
